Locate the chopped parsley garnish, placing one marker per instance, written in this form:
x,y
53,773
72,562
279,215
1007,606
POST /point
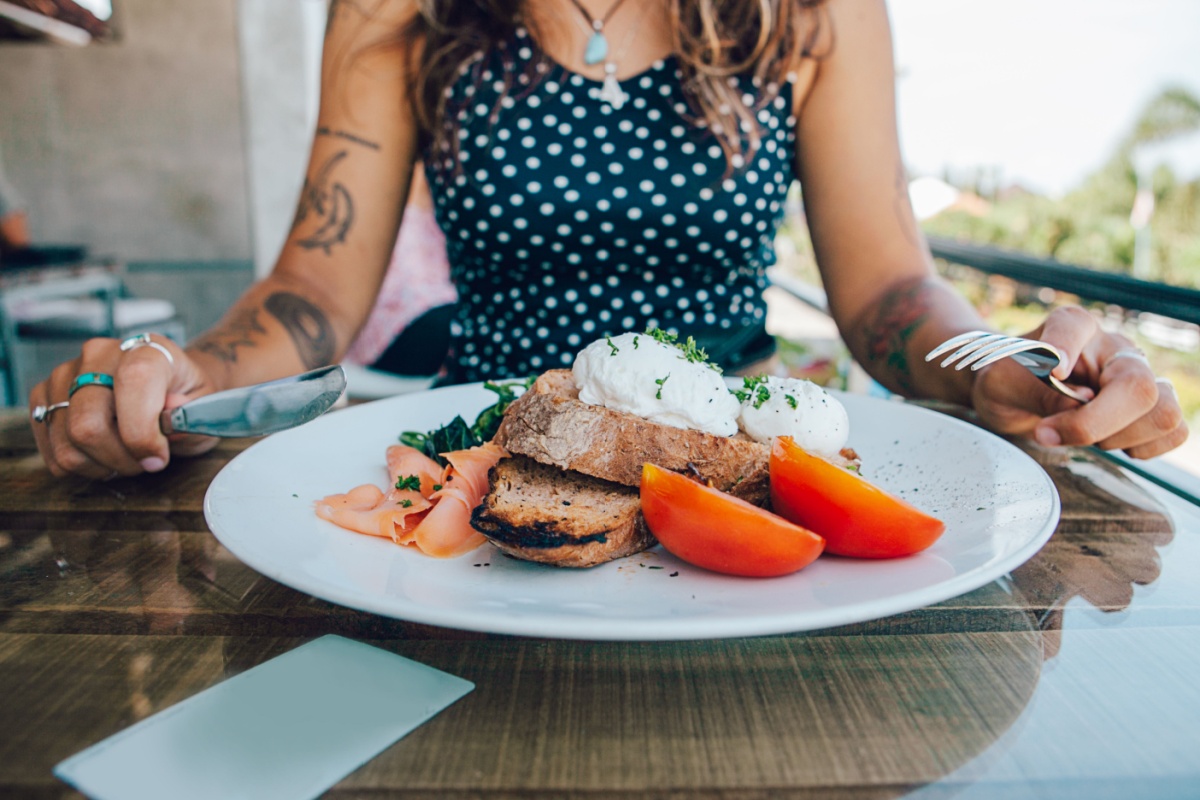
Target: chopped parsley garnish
x,y
409,482
665,337
791,400
611,344
693,353
753,387
457,434
635,342
689,349
406,503
437,487
660,382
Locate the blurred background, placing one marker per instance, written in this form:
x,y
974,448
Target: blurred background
x,y
1053,147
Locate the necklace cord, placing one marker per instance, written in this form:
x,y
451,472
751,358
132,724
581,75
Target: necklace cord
x,y
603,20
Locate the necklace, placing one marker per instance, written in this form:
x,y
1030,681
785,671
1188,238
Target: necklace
x,y
598,50
597,46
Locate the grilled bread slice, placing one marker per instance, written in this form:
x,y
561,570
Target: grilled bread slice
x,y
550,424
538,512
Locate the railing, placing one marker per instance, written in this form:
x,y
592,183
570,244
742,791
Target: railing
x,y
1105,287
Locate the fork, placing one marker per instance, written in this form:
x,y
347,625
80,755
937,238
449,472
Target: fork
x,y
978,349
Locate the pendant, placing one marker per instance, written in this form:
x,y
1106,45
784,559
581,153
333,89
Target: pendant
x,y
597,49
612,93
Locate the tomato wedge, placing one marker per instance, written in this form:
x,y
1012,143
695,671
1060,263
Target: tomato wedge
x,y
856,517
719,532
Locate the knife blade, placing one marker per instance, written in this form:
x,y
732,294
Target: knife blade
x,y
259,409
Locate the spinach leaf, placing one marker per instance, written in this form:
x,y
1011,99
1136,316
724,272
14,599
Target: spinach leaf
x,y
457,434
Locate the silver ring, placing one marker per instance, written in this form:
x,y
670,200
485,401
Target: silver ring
x,y
144,340
42,413
1138,354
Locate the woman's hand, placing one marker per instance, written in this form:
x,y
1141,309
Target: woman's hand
x,y
101,428
1130,409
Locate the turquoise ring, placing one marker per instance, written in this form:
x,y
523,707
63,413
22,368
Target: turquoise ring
x,y
91,379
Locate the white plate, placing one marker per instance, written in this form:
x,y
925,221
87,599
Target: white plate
x,y
999,506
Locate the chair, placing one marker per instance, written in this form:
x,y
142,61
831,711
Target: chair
x,y
45,315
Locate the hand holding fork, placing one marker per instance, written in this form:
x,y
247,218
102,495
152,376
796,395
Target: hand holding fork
x,y
977,349
1118,402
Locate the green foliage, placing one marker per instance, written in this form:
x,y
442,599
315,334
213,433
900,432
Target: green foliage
x,y
1091,225
1172,112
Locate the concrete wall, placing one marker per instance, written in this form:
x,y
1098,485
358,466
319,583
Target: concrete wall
x,y
134,148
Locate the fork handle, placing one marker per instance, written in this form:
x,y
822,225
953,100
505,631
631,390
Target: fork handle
x,y
1055,383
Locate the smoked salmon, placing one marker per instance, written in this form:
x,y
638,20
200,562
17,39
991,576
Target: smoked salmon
x,y
426,505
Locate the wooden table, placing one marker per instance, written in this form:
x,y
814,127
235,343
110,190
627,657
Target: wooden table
x,y
1077,677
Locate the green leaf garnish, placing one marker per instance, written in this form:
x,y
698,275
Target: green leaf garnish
x,y
457,434
753,387
689,350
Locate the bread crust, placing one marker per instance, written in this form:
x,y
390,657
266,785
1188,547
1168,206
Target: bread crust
x,y
537,512
551,425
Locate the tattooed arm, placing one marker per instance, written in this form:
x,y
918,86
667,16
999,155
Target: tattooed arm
x,y
306,312
899,325
302,315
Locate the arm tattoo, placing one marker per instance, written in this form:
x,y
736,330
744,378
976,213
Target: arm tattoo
x,y
897,315
225,342
330,205
903,206
349,137
307,326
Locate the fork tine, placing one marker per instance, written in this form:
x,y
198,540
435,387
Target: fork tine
x,y
956,341
1022,346
976,349
985,349
1008,346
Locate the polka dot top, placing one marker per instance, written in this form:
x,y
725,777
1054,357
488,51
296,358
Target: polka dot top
x,y
567,219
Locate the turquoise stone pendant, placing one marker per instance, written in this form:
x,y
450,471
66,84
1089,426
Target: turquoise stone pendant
x,y
597,49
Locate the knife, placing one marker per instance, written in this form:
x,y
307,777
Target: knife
x,y
260,409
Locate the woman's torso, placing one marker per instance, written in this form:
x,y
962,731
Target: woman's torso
x,y
568,219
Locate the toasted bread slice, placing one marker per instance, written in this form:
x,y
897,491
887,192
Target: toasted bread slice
x,y
550,424
538,512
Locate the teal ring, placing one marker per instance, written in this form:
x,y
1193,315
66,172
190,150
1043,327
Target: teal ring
x,y
91,379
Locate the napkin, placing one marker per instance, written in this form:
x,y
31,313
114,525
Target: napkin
x,y
289,728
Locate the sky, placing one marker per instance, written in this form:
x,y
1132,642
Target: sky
x,y
1042,89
